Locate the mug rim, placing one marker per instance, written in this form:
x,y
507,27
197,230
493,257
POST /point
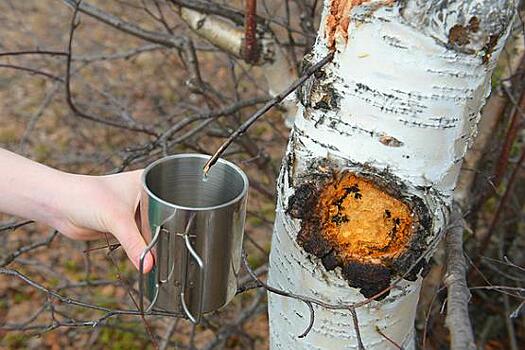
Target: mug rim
x,y
194,155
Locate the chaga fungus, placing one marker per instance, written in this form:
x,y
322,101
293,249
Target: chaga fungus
x,y
353,222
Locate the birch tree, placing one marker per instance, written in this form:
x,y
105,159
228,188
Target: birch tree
x,y
366,186
368,180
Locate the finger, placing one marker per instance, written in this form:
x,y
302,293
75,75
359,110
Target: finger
x,y
127,233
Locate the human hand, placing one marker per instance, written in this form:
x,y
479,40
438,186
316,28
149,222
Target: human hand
x,y
91,206
81,207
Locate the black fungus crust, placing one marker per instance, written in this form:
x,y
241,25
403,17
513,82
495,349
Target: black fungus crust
x,y
369,278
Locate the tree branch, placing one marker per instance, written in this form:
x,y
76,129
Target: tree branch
x,y
69,98
458,319
14,225
211,8
129,28
277,99
42,243
215,30
32,71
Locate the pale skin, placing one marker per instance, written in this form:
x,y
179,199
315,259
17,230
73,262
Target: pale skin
x,y
80,207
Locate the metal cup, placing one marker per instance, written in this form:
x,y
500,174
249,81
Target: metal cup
x,y
194,227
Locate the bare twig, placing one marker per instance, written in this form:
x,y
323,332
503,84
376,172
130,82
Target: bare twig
x,y
129,28
360,345
32,71
390,340
510,137
172,327
227,330
118,55
15,225
503,202
195,82
42,243
312,320
123,125
108,312
269,105
33,52
148,327
309,301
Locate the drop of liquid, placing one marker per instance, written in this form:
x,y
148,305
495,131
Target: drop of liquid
x,y
204,177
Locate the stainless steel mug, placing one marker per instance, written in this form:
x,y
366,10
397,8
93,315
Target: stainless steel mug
x,y
194,227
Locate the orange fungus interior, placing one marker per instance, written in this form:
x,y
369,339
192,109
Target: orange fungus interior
x,y
363,222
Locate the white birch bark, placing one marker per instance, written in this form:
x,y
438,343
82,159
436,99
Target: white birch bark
x,y
273,62
402,98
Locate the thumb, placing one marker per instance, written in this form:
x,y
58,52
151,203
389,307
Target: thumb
x,y
127,233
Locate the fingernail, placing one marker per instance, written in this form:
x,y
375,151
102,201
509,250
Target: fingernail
x,y
148,263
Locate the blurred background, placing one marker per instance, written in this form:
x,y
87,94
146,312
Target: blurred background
x,y
144,85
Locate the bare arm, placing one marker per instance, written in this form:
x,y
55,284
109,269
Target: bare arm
x,y
81,207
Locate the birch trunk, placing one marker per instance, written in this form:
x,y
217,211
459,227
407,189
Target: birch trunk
x,y
383,130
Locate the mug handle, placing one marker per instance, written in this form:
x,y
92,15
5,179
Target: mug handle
x,y
198,259
141,272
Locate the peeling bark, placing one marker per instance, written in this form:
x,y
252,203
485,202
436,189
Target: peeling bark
x,y
394,113
480,23
258,49
338,18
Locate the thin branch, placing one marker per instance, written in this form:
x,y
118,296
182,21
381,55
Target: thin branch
x,y
306,300
195,83
33,52
390,340
15,225
167,137
128,289
172,327
129,28
276,100
129,126
360,345
108,312
510,136
118,55
32,71
42,243
312,320
503,202
37,115
230,329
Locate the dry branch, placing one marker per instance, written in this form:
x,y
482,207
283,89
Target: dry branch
x,y
276,100
129,125
458,319
41,243
129,28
